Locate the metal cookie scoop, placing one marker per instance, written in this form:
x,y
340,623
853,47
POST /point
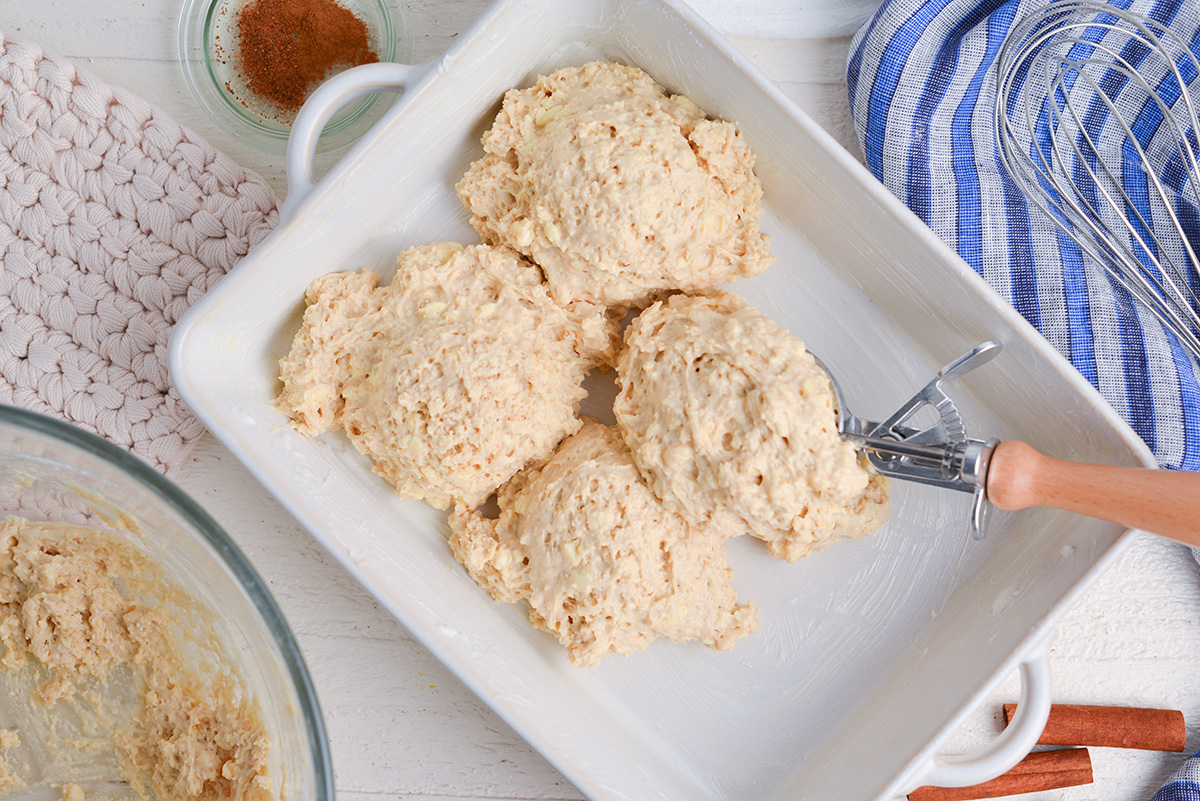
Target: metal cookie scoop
x,y
1011,474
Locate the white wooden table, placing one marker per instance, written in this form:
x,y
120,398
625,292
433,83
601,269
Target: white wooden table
x,y
400,724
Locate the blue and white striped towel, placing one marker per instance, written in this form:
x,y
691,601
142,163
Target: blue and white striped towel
x,y
1184,785
922,80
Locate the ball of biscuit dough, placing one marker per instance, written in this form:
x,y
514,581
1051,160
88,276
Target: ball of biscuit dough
x,y
602,564
619,191
733,424
451,378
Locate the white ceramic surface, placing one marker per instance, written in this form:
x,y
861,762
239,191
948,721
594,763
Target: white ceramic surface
x,y
906,629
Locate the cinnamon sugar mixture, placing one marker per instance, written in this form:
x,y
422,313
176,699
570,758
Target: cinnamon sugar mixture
x,y
290,46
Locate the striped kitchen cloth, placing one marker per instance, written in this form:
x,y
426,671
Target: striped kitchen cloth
x,y
1184,785
922,81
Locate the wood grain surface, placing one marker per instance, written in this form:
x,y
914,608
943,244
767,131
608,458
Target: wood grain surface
x,y
401,726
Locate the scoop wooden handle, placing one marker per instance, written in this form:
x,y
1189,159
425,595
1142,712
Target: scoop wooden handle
x,y
1164,502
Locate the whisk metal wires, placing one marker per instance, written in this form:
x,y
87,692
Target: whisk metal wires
x,y
1096,123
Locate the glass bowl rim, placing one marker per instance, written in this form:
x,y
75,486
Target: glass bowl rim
x,y
347,125
227,550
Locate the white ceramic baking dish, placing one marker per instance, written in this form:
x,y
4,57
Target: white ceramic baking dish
x,y
870,653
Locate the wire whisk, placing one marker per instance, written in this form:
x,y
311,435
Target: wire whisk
x,y
1096,123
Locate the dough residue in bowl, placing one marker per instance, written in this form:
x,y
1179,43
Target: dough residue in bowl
x,y
732,422
78,630
617,190
603,565
453,377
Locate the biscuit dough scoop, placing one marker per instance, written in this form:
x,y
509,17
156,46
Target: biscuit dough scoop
x,y
1012,474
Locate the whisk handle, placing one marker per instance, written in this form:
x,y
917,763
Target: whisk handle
x,y
1163,502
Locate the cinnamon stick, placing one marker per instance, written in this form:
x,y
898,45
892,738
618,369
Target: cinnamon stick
x,y
1112,727
1041,770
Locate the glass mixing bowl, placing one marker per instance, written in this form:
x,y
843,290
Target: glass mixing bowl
x,y
51,471
207,53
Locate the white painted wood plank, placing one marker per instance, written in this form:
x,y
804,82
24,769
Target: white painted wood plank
x,y
136,31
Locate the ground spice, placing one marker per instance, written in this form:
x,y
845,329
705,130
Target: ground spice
x,y
289,46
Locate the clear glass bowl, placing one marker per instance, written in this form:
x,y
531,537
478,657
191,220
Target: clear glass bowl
x,y
207,53
52,471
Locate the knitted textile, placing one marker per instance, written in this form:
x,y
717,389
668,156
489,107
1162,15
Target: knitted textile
x,y
922,79
113,221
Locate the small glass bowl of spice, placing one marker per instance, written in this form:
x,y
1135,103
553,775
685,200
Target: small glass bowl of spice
x,y
251,64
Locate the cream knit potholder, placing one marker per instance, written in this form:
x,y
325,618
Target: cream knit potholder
x,y
113,221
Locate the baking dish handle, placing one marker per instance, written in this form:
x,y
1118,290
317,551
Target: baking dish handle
x,y
1013,744
322,104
